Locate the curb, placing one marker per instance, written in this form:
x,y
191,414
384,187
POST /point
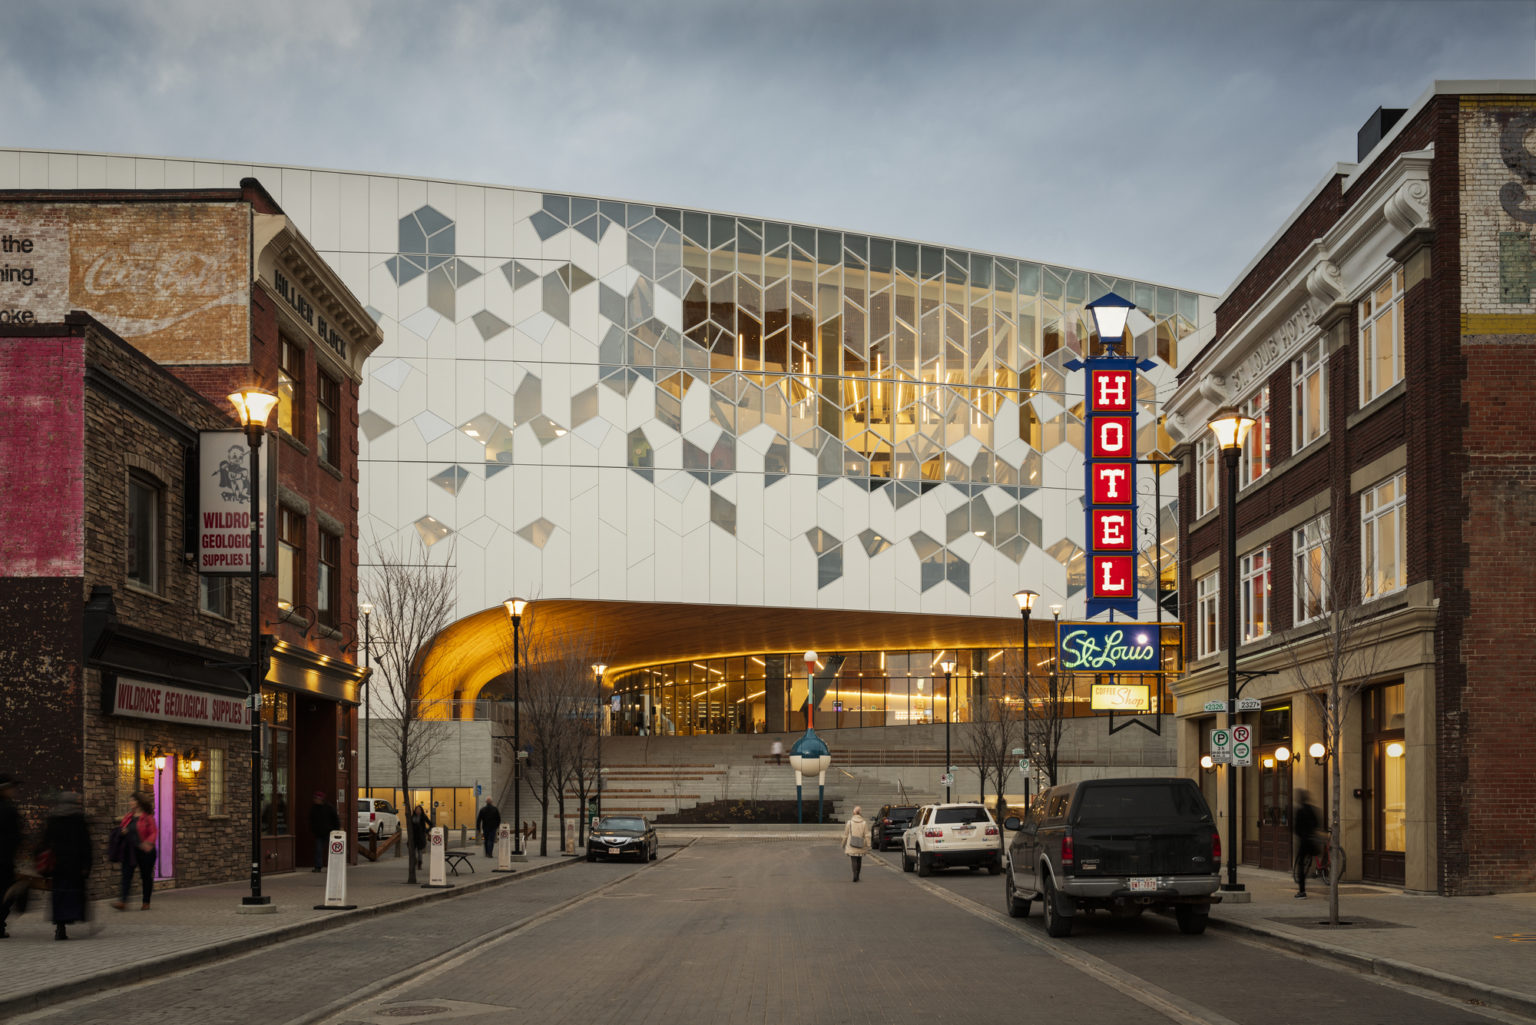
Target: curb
x,y
1478,993
170,963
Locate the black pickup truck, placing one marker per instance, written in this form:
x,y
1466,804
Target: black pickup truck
x,y
1122,845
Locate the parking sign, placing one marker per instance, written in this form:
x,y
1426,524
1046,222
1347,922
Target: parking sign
x,y
1221,747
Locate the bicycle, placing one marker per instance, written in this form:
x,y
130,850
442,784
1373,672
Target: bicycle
x,y
1321,863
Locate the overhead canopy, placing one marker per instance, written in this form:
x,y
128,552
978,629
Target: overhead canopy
x,y
478,648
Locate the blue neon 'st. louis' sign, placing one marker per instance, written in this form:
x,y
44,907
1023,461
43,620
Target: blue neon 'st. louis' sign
x,y
1109,647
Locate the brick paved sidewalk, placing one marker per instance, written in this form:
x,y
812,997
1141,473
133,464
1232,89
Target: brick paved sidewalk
x,y
200,924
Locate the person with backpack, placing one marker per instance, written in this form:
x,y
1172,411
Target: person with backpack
x,y
856,838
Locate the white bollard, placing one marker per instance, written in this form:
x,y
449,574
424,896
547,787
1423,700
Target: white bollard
x,y
504,849
437,862
336,875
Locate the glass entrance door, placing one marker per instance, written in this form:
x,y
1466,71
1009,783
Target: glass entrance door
x,y
1386,772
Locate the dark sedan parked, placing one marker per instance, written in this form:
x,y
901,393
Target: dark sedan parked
x,y
891,821
622,836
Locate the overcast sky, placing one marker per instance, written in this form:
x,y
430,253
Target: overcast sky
x,y
1159,139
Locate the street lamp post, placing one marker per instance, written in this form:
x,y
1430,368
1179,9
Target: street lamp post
x,y
949,667
254,405
366,608
1231,429
1026,600
599,669
515,607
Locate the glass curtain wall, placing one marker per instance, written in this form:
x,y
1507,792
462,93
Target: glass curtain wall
x,y
751,694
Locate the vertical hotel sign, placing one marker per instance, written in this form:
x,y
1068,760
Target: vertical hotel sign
x,y
1109,479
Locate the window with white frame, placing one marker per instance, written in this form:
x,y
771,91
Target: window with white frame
x,y
146,499
218,781
1383,537
1255,456
214,595
1207,595
1381,337
1253,577
1309,395
1309,577
1205,475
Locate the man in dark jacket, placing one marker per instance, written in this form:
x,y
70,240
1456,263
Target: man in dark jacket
x,y
487,822
323,821
10,843
1304,823
67,841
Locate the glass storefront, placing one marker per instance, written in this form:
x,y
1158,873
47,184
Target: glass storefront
x,y
1386,771
768,693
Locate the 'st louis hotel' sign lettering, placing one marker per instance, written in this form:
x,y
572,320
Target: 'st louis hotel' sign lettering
x,y
1109,489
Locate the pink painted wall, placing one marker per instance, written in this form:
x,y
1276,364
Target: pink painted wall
x,y
42,457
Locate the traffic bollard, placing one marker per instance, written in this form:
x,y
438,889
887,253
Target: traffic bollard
x,y
437,862
336,875
504,849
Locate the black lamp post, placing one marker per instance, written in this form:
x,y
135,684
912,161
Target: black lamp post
x,y
1231,428
599,669
254,405
366,608
515,607
1026,600
949,667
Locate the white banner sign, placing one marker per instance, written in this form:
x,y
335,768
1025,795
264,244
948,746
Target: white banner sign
x,y
224,503
139,699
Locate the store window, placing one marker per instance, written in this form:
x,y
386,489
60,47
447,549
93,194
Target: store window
x,y
1254,462
1205,474
290,387
1383,537
1253,574
276,763
1207,595
1381,337
1309,396
146,500
1309,576
327,419
328,580
218,781
1386,770
290,556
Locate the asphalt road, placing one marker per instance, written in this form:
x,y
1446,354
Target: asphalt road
x,y
760,932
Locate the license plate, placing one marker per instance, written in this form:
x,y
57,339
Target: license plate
x,y
965,830
615,850
1143,883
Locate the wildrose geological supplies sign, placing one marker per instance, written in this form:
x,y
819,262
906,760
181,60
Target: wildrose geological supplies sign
x,y
140,699
224,504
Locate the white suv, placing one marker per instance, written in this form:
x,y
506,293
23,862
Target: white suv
x,y
376,817
952,834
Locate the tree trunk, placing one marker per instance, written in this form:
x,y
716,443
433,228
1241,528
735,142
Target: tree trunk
x,y
1335,842
544,816
560,816
405,806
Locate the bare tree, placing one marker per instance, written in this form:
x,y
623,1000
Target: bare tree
x,y
1334,655
558,692
1042,692
994,732
413,600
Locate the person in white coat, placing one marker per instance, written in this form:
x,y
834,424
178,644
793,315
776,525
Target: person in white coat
x,y
856,839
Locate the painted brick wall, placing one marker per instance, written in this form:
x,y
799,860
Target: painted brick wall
x,y
42,426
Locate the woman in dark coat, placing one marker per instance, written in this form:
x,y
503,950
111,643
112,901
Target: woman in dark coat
x,y
421,824
67,842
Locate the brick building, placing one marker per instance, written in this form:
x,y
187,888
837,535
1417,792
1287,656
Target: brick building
x,y
149,308
1385,344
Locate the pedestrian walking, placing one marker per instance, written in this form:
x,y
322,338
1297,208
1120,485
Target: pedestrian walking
x,y
488,822
856,839
64,856
1304,823
776,749
10,843
421,825
323,821
141,835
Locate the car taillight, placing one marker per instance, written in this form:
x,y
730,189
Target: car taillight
x,y
1216,849
1066,850
991,830
933,832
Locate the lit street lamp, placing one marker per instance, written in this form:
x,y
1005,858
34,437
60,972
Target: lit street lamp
x,y
949,667
1026,600
254,405
1231,429
602,715
366,608
515,607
